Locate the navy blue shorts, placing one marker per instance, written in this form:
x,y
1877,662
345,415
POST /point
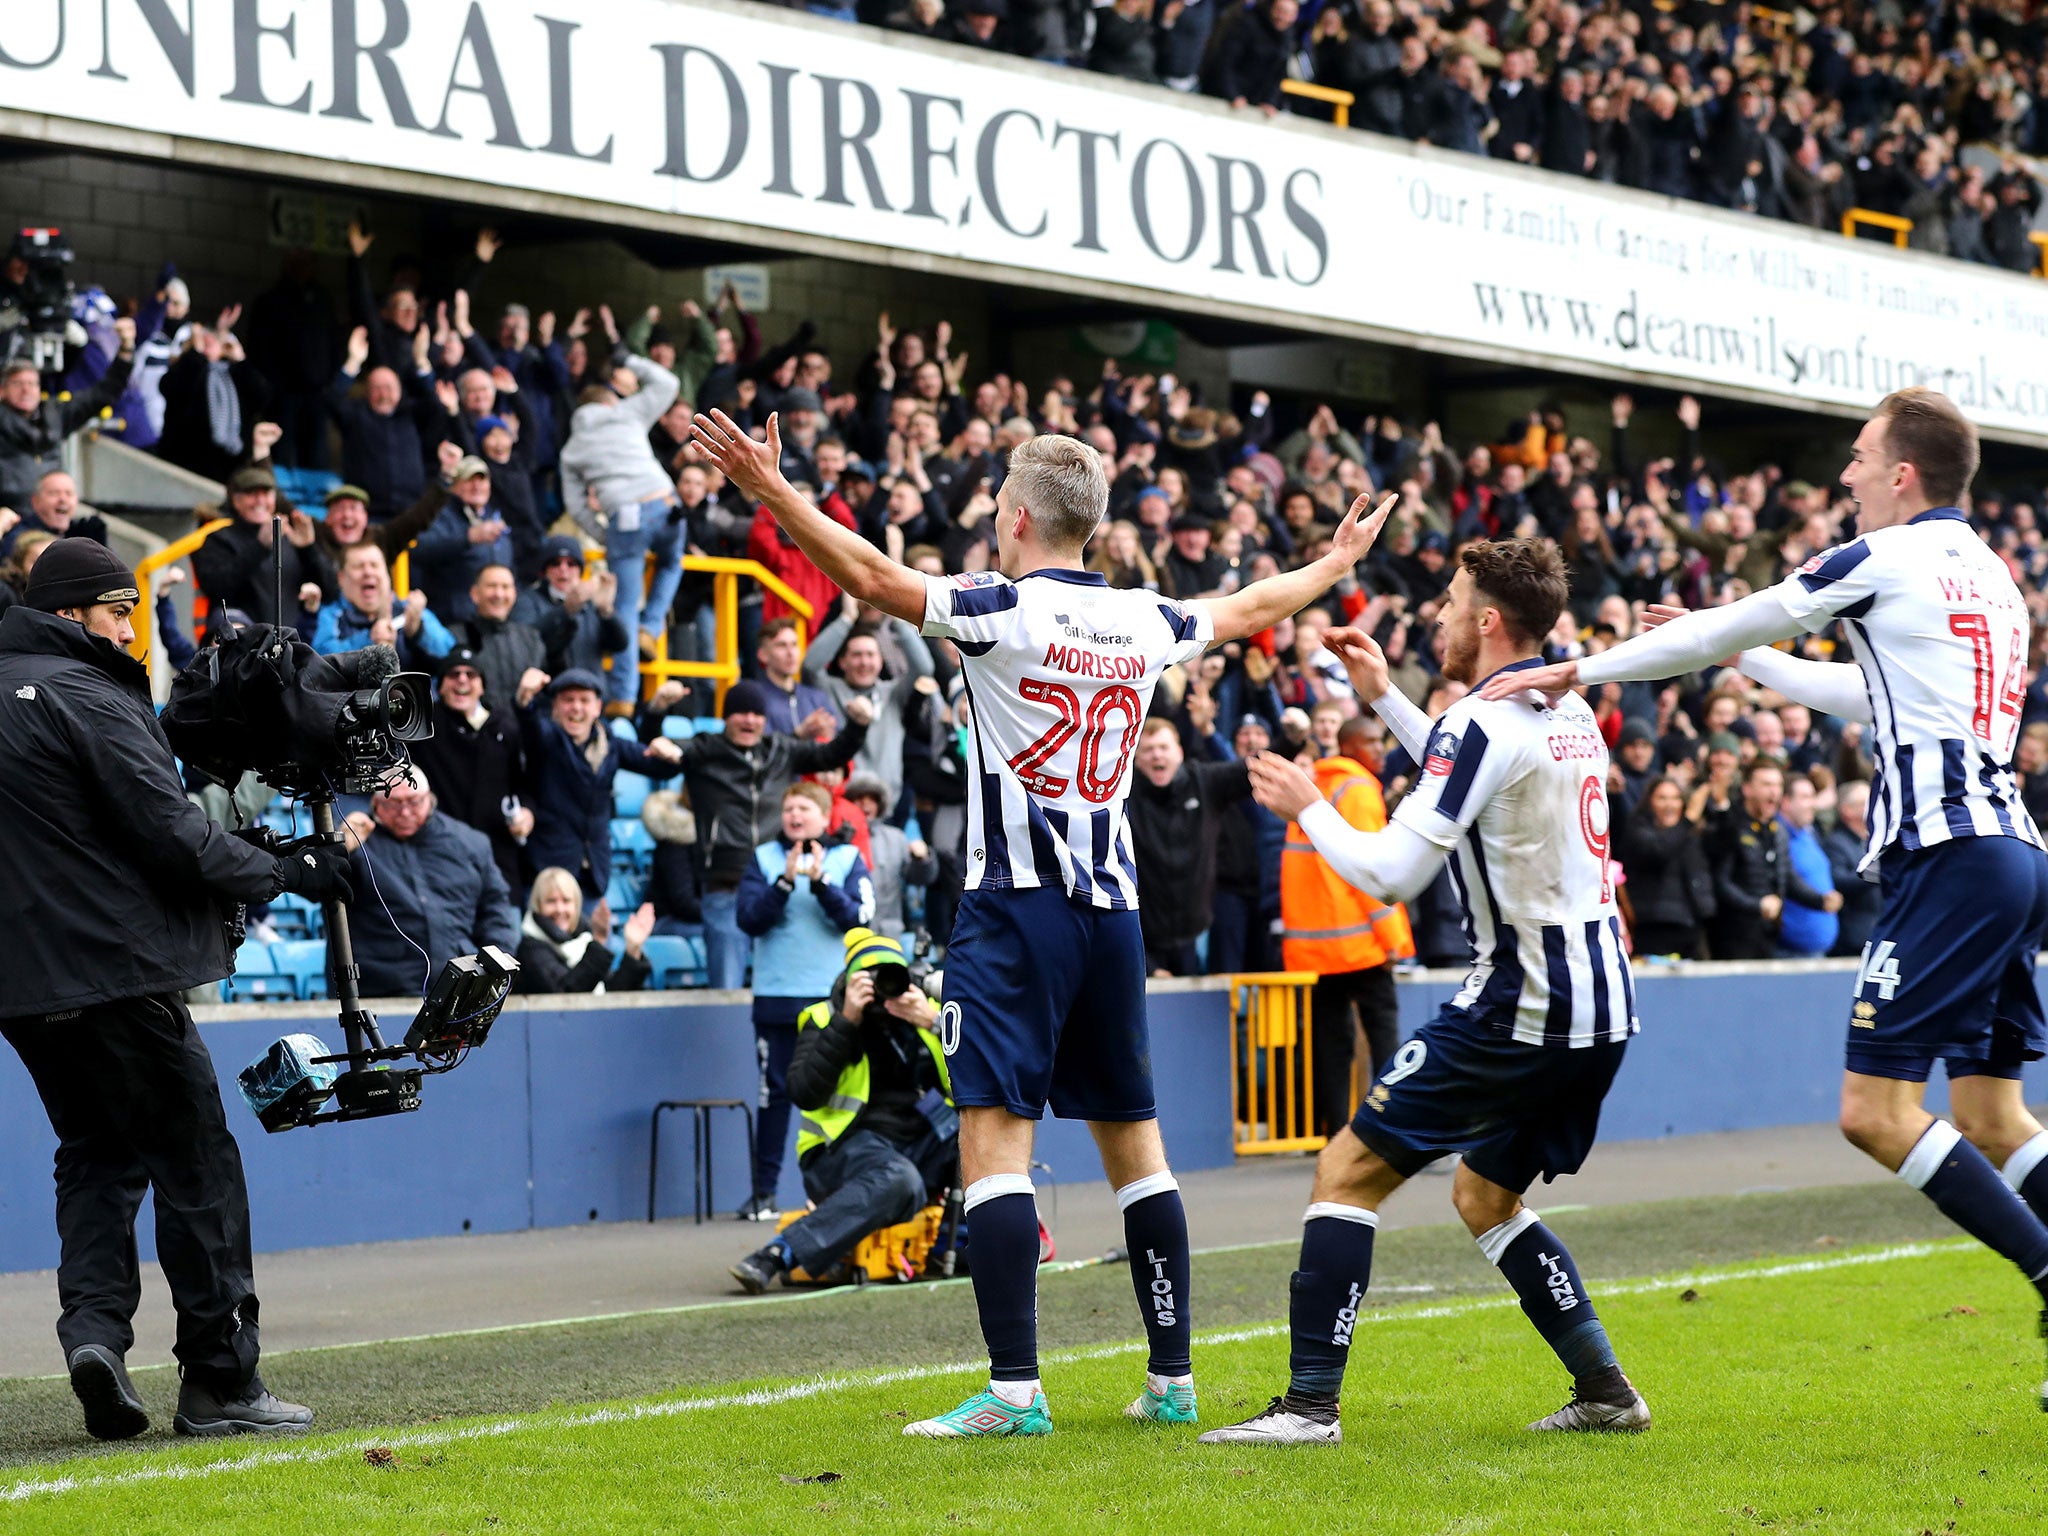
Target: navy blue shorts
x,y
1949,970
1045,1005
1515,1111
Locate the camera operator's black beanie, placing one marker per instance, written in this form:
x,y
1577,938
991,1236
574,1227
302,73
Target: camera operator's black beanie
x,y
77,573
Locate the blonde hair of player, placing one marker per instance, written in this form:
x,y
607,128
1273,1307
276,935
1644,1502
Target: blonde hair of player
x,y
1059,481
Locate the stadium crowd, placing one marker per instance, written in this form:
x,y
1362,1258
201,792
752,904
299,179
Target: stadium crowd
x,y
525,467
1797,113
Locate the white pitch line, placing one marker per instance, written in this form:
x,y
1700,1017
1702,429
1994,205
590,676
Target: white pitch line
x,y
823,1386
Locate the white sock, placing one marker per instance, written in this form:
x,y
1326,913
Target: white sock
x,y
1158,1384
1017,1394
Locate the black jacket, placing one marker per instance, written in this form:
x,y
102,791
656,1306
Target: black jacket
x,y
112,883
1860,897
1750,861
1174,831
737,792
1668,880
472,771
541,969
32,445
234,569
900,1069
187,440
383,454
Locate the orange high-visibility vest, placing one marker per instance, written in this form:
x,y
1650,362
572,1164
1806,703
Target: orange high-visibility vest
x,y
1328,924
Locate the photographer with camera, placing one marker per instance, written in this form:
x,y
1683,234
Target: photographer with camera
x,y
33,430
798,897
117,892
879,1133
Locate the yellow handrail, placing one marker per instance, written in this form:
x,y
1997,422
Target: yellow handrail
x,y
1339,102
145,606
1899,227
725,606
1272,1062
2040,252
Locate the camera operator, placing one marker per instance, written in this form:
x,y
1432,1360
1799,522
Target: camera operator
x,y
32,429
879,1132
113,890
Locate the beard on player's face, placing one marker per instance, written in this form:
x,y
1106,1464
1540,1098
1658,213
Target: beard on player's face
x,y
1461,650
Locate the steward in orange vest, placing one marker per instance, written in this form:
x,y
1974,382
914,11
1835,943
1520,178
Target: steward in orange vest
x,y
1344,936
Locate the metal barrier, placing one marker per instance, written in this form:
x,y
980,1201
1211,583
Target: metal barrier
x,y
1272,1066
149,565
1854,218
725,607
1339,102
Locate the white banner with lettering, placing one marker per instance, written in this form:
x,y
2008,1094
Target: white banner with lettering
x,y
730,113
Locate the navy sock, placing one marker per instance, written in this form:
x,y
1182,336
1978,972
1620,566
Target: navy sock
x,y
1960,1179
1156,1235
1325,1294
2026,1172
1002,1220
1540,1269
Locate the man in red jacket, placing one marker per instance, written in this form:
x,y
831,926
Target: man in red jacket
x,y
775,549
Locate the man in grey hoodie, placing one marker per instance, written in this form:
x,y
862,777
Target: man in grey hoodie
x,y
618,493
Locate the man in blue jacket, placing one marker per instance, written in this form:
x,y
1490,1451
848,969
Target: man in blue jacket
x,y
469,535
1805,930
796,901
437,887
571,761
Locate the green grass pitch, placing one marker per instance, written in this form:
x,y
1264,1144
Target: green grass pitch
x,y
1839,1388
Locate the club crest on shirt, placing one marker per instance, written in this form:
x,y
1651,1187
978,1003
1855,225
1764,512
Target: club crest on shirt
x,y
1441,752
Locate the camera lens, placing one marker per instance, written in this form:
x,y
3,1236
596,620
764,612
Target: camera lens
x,y
891,981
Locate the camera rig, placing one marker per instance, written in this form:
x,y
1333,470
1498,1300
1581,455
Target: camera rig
x,y
257,699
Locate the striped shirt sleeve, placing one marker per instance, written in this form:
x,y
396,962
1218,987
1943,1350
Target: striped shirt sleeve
x,y
1838,583
1194,629
977,608
1462,769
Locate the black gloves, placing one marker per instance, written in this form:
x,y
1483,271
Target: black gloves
x,y
320,873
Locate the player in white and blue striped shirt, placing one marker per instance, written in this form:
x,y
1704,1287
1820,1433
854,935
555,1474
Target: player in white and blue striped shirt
x,y
1511,1072
1940,635
1045,974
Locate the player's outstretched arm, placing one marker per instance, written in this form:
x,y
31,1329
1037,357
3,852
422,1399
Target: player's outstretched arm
x,y
850,560
1683,645
1396,863
1832,687
1265,603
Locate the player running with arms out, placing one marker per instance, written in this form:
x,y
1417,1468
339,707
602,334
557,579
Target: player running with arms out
x,y
1939,633
1512,1071
1045,974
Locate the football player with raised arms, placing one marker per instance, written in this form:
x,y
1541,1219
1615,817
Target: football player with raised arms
x,y
1045,974
1940,637
1512,1071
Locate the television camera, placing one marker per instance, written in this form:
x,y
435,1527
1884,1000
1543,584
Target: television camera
x,y
257,699
35,319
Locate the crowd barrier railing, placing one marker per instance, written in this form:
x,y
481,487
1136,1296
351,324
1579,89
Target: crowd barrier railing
x,y
1272,1067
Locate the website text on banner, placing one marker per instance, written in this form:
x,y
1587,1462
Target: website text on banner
x,y
733,115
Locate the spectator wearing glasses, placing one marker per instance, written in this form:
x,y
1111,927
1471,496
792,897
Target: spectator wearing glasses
x,y
577,615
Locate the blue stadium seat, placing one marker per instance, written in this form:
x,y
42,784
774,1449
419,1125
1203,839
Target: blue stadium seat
x,y
305,962
307,487
629,793
633,844
623,729
678,961
677,727
623,894
287,921
709,725
256,978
